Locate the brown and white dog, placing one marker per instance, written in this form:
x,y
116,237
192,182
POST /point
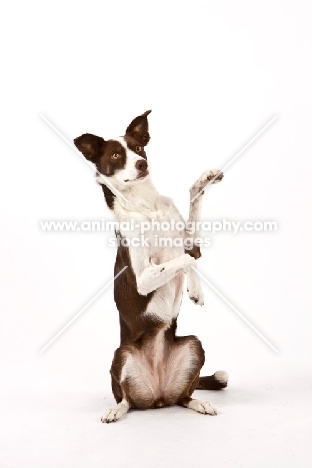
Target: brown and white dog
x,y
153,367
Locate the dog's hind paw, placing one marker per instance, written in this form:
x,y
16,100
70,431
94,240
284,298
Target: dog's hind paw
x,y
202,406
113,414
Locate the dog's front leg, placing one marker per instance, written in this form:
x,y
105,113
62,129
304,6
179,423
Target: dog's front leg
x,y
150,277
193,231
196,194
156,276
194,288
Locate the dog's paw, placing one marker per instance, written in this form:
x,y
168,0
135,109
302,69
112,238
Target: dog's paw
x,y
194,288
202,406
113,414
212,176
196,296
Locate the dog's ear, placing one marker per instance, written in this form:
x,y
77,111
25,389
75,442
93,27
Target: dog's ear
x,y
138,129
91,146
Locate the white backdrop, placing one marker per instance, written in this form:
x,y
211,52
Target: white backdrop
x,y
213,73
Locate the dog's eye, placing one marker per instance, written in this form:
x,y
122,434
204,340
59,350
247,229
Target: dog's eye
x,y
115,156
138,149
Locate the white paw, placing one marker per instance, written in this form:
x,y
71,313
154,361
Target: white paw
x,y
194,288
113,414
196,294
212,176
202,406
222,376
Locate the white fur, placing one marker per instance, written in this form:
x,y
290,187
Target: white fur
x,y
198,187
112,414
202,406
166,301
222,376
193,282
194,288
155,276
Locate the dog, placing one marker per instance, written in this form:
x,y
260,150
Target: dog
x,y
152,368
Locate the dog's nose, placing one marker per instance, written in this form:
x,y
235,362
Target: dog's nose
x,y
141,165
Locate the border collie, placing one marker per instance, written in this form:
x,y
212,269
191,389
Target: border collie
x,y
152,368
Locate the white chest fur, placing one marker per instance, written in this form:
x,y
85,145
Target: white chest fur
x,y
151,220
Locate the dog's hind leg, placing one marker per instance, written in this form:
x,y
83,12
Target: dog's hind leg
x,y
201,406
185,399
213,382
123,405
132,382
116,389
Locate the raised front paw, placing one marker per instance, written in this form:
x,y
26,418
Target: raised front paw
x,y
212,176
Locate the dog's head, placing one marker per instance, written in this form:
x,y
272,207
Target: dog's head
x,y
122,159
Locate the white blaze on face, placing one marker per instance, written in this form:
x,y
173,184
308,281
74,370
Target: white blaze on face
x,y
129,172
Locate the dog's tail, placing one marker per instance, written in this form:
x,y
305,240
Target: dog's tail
x,y
217,381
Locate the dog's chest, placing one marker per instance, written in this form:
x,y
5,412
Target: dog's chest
x,y
159,241
166,301
160,232
166,243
